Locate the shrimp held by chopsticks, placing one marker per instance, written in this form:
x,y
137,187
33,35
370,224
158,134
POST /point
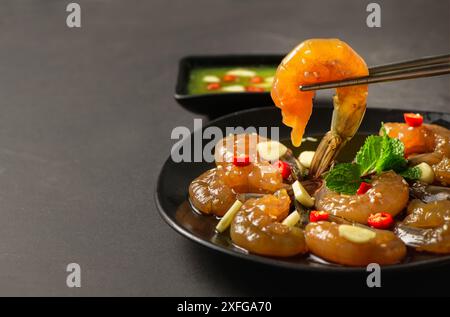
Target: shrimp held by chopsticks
x,y
314,61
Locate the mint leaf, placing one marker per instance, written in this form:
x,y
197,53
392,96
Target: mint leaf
x,y
381,153
391,156
411,173
378,154
344,178
369,154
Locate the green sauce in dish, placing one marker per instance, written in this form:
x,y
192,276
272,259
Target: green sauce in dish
x,y
231,79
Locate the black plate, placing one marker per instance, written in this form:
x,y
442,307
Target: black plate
x,y
174,179
218,104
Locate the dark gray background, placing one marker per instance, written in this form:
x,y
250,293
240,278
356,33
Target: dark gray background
x,y
85,122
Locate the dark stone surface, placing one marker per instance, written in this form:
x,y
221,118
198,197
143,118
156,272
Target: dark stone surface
x,y
85,122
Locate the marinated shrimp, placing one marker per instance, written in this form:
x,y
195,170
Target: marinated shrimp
x,y
214,191
427,215
323,239
256,227
427,143
238,144
427,226
389,193
314,61
258,177
210,195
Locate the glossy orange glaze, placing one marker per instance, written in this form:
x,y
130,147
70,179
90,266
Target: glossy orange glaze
x,y
235,145
416,139
427,215
323,240
214,191
315,61
428,138
256,227
210,195
433,223
438,240
260,177
389,193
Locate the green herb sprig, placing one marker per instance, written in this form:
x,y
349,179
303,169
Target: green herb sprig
x,y
378,154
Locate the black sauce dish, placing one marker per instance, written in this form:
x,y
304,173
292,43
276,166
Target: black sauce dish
x,y
217,104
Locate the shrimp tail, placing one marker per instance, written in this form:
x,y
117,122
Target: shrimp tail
x,y
347,116
326,152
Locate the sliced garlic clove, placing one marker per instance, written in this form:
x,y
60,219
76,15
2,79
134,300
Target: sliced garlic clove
x,y
356,234
226,220
234,88
271,150
306,158
211,79
301,195
292,219
426,173
241,72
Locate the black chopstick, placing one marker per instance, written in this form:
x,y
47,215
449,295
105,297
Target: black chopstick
x,y
424,61
423,67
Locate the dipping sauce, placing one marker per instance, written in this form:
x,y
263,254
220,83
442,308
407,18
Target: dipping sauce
x,y
231,79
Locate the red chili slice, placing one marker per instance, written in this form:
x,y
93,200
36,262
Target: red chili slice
x,y
413,119
380,220
213,86
241,160
317,215
229,78
363,188
284,168
256,80
254,89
